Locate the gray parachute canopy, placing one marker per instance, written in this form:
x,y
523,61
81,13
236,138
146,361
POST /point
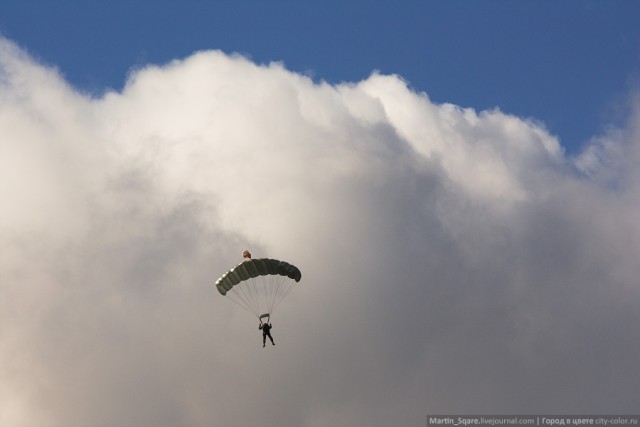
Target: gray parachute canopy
x,y
259,285
253,268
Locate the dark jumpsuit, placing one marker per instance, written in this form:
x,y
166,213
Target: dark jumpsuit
x,y
266,332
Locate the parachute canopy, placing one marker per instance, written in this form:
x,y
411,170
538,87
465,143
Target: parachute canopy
x,y
259,285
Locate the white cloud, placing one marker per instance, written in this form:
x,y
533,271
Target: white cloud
x,y
452,260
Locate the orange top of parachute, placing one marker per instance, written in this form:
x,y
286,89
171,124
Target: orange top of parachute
x,y
246,254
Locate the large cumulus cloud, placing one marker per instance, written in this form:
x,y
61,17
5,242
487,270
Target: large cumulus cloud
x,y
452,260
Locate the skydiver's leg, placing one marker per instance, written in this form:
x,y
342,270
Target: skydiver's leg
x,y
264,339
271,338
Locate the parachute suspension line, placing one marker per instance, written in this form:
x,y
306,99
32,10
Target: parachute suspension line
x,y
287,288
260,293
242,305
256,293
268,282
279,289
242,298
275,291
248,295
287,291
255,296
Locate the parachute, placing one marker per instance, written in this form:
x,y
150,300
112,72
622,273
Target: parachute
x,y
259,285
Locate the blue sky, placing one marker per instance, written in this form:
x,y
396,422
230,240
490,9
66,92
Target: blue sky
x,y
569,64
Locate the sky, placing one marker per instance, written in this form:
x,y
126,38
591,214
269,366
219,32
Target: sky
x,y
567,64
457,182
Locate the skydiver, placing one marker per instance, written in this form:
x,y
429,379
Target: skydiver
x,y
266,332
